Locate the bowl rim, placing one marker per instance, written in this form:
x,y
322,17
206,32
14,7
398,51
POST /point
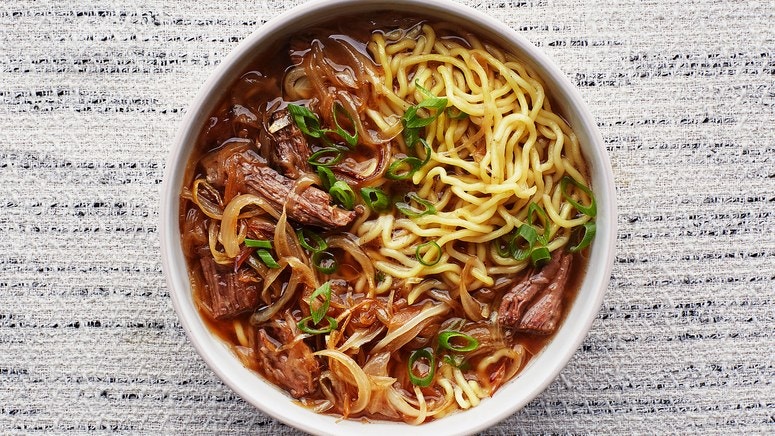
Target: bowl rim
x,y
268,398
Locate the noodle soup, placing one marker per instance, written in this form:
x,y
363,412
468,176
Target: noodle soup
x,y
386,219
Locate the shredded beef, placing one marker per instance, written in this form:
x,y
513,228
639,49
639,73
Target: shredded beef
x,y
241,169
228,293
289,364
534,305
290,151
311,206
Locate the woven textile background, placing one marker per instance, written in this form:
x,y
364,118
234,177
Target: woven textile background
x,y
91,94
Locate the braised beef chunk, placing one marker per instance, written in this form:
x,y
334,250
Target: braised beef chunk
x,y
228,293
308,207
228,161
292,366
534,305
260,228
290,150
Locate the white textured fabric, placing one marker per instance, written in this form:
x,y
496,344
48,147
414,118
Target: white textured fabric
x,y
90,98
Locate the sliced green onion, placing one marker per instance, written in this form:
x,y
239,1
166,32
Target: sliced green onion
x,y
320,312
375,198
325,262
266,258
411,136
326,156
343,194
430,245
427,149
412,122
539,255
590,210
404,168
590,229
533,210
423,353
305,235
502,245
447,336
350,138
258,243
413,212
306,120
431,102
527,233
454,113
327,178
303,325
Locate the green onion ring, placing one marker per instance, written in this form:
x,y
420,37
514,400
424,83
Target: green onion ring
x,y
303,325
327,178
590,229
428,378
320,312
343,194
539,255
590,210
412,212
446,336
325,262
430,244
396,169
350,138
304,234
336,153
375,198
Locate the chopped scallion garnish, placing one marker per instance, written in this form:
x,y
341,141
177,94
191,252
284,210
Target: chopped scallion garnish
x,y
529,235
422,381
589,210
258,243
412,121
535,210
404,168
350,138
308,237
325,262
446,338
326,156
408,209
303,325
266,258
327,178
590,229
306,120
376,199
320,311
343,194
425,248
539,255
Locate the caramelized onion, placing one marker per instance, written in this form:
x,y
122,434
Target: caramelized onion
x,y
409,329
359,377
347,244
228,232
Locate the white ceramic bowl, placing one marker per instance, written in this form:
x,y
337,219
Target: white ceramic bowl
x,y
539,372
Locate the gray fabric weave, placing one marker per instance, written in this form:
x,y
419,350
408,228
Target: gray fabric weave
x,y
91,96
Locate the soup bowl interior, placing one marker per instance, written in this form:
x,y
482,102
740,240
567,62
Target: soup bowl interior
x,y
539,372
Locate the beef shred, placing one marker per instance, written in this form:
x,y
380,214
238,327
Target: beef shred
x,y
535,304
